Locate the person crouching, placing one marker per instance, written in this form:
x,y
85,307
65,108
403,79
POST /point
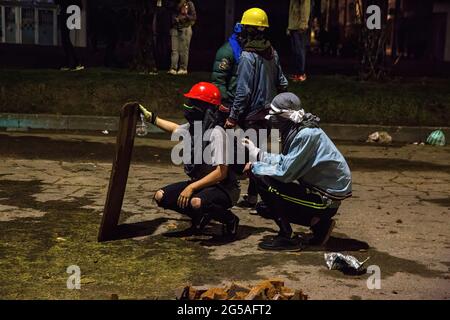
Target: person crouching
x,y
212,189
306,183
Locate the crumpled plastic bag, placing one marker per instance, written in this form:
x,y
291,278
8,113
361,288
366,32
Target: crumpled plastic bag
x,y
345,263
436,138
381,137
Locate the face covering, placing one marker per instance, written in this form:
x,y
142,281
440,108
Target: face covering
x,y
192,114
289,123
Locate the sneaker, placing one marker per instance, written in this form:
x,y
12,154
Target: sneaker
x,y
247,203
182,72
281,243
172,72
230,229
322,232
298,77
78,68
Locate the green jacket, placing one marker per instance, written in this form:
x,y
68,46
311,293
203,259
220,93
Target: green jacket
x,y
224,74
299,12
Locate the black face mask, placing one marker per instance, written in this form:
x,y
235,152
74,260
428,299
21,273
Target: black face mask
x,y
193,115
280,123
287,130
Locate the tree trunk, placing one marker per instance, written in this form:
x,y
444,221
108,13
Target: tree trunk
x,y
144,56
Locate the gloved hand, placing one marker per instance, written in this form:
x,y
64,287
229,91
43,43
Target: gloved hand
x,y
252,149
148,115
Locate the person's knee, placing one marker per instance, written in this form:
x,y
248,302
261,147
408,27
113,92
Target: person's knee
x,y
159,195
196,203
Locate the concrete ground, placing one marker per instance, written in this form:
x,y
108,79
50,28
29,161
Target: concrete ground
x,y
52,192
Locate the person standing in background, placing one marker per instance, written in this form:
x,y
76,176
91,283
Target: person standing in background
x,y
299,12
161,34
71,59
183,18
259,79
224,74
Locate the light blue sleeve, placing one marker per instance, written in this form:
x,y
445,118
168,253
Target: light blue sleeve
x,y
294,164
270,158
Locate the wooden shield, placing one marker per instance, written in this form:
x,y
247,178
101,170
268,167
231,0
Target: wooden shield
x,y
119,174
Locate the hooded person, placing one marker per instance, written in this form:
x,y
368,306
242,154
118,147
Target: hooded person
x,y
260,79
225,67
306,183
211,188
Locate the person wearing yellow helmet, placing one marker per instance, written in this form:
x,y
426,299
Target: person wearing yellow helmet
x,y
255,17
260,79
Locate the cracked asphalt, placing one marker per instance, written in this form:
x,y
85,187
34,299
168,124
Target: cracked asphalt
x,y
53,188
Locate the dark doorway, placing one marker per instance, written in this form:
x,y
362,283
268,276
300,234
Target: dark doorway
x,y
439,30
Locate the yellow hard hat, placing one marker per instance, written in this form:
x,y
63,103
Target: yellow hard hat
x,y
255,17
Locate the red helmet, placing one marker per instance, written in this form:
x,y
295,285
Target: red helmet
x,y
205,91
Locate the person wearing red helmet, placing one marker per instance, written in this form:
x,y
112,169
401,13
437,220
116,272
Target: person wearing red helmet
x,y
212,189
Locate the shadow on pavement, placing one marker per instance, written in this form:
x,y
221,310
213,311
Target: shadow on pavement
x,y
138,229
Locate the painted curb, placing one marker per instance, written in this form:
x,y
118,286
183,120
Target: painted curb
x,y
349,132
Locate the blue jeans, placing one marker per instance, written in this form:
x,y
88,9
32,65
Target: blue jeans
x,y
298,44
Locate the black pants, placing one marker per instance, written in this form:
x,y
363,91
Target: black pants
x,y
70,56
291,203
215,203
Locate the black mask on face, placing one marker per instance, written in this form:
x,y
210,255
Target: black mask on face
x,y
286,128
281,123
193,115
250,33
194,110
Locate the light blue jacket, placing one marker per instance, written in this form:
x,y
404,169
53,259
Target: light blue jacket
x,y
312,159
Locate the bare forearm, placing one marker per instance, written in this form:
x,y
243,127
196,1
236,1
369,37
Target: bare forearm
x,y
166,125
213,178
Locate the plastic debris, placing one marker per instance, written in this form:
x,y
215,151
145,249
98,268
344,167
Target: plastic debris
x,y
338,261
141,129
381,137
436,138
105,132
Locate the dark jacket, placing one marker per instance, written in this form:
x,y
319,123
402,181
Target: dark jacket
x,y
259,80
184,19
224,74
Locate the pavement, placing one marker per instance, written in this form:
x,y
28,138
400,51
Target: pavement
x,y
53,188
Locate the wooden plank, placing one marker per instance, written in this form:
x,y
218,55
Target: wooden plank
x,y
119,173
